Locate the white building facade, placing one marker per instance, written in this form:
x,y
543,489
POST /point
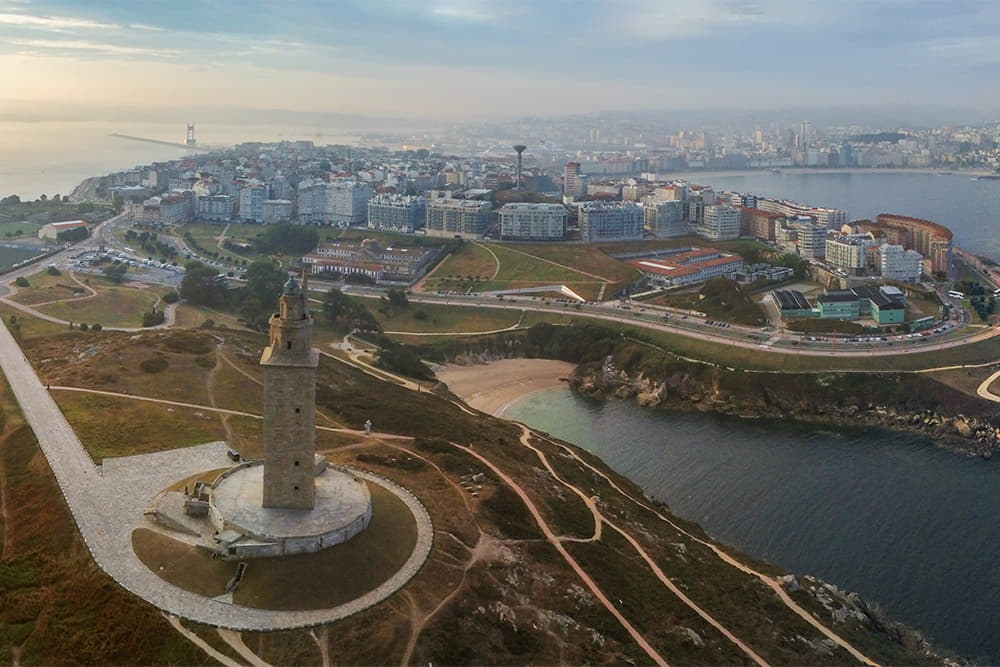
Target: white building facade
x,y
467,218
848,252
396,213
339,203
666,218
276,210
895,263
218,208
532,222
604,221
720,222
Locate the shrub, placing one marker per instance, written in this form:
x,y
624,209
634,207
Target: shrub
x,y
187,342
53,271
171,297
22,282
152,318
96,326
83,326
154,365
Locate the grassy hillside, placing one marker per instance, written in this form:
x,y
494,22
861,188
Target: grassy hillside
x,y
495,589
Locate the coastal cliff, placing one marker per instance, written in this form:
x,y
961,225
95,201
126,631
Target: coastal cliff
x,y
897,401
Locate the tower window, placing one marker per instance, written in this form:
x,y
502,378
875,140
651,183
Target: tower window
x,y
289,345
298,410
295,488
295,464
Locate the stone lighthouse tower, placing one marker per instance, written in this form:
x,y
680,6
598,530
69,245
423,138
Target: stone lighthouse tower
x,y
289,368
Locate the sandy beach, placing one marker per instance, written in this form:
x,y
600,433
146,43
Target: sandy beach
x,y
494,386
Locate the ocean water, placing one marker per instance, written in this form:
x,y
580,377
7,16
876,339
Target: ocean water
x,y
892,517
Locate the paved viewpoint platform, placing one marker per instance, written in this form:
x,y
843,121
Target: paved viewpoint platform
x,y
107,503
343,508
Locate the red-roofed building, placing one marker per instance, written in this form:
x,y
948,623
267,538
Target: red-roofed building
x,y
693,265
52,230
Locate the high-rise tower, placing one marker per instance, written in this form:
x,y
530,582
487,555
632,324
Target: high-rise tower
x,y
289,368
190,135
520,149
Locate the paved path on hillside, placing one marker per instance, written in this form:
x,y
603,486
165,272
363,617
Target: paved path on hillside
x,y
107,503
984,389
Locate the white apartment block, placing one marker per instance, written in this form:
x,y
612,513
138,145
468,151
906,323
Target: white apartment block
x,y
276,210
339,203
252,196
666,218
831,218
215,207
168,210
895,263
848,252
532,222
396,213
605,221
720,222
468,218
810,237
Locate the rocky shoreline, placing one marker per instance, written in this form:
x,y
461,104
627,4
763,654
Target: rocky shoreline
x,y
893,401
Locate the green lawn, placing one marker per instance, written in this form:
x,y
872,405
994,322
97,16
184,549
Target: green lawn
x,y
43,287
114,305
462,267
207,236
26,229
583,256
442,318
472,266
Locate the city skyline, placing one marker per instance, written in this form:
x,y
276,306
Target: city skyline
x,y
459,59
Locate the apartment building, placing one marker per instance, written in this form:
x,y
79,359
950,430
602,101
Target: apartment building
x,y
610,221
468,218
396,213
532,222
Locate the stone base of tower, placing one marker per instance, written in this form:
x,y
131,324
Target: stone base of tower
x,y
244,529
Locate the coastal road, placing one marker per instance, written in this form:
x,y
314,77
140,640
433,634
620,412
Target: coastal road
x,y
692,327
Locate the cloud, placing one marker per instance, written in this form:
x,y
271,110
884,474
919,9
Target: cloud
x,y
93,47
54,23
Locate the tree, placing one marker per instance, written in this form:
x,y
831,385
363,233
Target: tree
x,y
288,239
346,315
397,297
116,272
402,359
202,287
117,203
265,281
10,200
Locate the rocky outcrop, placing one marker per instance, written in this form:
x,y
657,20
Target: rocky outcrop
x,y
87,189
897,401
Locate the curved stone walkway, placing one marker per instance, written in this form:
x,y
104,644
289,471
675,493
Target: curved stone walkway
x,y
107,503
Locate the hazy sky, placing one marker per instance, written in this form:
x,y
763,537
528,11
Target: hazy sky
x,y
458,58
